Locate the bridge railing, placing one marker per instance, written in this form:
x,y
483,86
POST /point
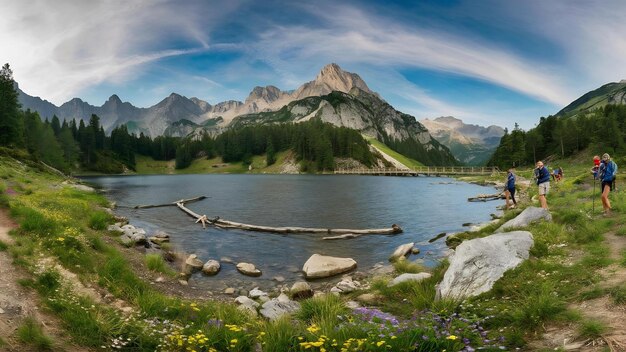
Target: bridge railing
x,y
425,170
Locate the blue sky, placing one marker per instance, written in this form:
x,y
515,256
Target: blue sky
x,y
484,61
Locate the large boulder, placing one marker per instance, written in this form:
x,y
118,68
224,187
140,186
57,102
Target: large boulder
x,y
477,264
409,277
401,251
248,305
275,308
248,269
525,218
211,267
320,266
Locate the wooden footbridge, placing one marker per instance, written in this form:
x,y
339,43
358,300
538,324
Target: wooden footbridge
x,y
422,171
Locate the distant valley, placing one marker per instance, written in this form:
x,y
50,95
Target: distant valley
x,y
470,144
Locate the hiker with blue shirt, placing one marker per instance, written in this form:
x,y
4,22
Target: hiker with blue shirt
x,y
607,173
509,189
542,175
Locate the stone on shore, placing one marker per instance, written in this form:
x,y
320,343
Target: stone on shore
x,y
211,267
401,251
114,228
248,305
193,264
248,269
256,293
409,277
477,264
525,218
301,290
159,240
320,266
275,309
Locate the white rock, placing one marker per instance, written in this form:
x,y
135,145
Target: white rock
x,y
160,234
320,266
409,277
275,309
347,285
477,264
126,240
229,290
128,227
247,305
248,269
283,298
211,267
401,251
138,238
256,293
115,228
525,218
83,188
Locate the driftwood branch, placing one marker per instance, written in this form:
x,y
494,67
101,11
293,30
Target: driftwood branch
x,y
183,201
486,197
342,237
225,224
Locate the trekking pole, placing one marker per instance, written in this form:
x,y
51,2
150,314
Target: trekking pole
x,y
593,202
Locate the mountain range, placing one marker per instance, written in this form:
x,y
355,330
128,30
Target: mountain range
x,y
471,144
335,96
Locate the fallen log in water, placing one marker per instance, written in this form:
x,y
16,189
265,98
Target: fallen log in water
x,y
486,197
183,201
225,224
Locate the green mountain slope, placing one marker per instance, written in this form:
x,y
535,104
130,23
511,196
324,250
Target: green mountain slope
x,y
611,93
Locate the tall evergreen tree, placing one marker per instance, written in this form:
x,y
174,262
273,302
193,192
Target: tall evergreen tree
x,y
10,123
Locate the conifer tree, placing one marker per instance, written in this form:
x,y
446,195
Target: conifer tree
x,y
10,122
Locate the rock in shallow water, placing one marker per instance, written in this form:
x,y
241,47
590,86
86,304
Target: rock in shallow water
x,y
248,269
320,266
211,267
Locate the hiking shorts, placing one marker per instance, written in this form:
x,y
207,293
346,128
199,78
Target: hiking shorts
x,y
544,188
607,183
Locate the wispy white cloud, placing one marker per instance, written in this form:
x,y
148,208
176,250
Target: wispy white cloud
x,y
59,48
349,34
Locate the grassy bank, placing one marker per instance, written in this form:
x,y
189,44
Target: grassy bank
x,y
408,162
62,225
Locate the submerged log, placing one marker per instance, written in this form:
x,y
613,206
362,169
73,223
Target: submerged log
x,y
486,197
342,237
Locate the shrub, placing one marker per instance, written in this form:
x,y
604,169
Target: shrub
x,y
155,262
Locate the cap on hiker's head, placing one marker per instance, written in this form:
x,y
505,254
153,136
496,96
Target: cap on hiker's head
x,y
605,156
596,158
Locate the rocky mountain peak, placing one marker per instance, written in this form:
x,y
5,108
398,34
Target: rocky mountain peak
x,y
335,78
622,81
268,94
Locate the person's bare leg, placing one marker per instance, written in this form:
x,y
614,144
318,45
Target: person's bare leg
x,y
606,203
542,201
506,196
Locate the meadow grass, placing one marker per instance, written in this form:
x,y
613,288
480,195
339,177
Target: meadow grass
x,y
407,266
591,329
29,332
3,246
408,162
155,262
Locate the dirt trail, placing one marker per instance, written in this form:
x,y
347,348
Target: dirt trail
x,y
602,309
17,303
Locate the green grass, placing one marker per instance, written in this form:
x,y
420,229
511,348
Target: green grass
x,y
618,294
155,262
406,266
408,162
99,220
324,308
591,329
3,246
31,333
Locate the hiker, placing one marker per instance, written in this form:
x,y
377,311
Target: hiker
x,y
509,189
596,167
607,173
560,173
542,175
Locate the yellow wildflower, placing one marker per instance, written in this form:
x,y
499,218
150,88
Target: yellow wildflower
x,y
380,343
451,337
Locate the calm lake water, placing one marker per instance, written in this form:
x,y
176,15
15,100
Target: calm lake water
x,y
422,206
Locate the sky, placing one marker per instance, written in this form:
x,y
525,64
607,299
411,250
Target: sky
x,y
483,61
